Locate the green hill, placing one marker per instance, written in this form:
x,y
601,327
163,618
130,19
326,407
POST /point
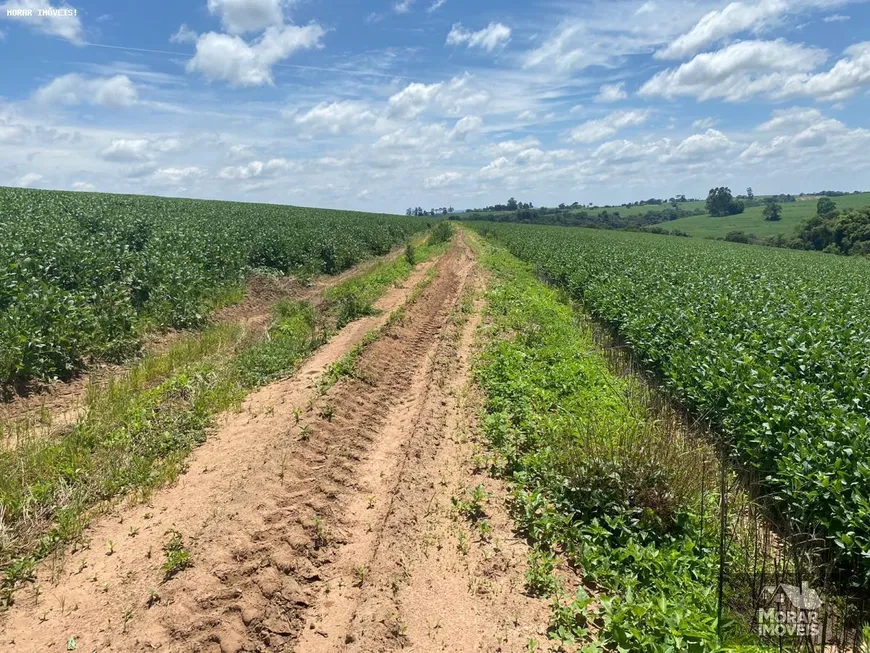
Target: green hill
x,y
752,222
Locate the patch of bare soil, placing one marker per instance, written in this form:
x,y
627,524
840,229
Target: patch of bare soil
x,y
247,510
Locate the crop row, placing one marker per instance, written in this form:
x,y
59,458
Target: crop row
x,y
772,345
83,275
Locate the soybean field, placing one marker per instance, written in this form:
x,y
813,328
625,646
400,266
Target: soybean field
x,y
772,346
84,275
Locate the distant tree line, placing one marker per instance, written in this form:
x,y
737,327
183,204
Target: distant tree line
x,y
832,193
420,211
578,215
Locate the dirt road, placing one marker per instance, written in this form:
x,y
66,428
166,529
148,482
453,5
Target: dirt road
x,y
316,519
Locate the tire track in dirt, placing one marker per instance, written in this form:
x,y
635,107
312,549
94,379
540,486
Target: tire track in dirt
x,y
409,572
246,510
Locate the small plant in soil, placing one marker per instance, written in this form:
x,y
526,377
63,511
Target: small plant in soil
x,y
470,505
540,577
177,556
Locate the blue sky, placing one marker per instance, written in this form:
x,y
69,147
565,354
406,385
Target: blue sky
x,y
387,104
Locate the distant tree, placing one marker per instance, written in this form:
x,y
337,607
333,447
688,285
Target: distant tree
x,y
409,212
450,209
772,212
749,194
720,202
826,207
512,204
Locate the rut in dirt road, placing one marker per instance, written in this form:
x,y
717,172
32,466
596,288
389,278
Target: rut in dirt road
x,y
408,574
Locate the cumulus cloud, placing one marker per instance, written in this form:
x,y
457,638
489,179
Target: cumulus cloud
x,y
717,25
601,128
82,186
222,57
737,72
335,117
436,5
697,146
494,35
174,176
115,92
454,98
28,180
137,150
241,16
840,82
403,6
790,118
256,169
836,18
832,135
511,146
611,93
66,27
442,180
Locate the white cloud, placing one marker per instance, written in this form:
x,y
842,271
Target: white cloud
x,y
435,6
335,117
184,35
467,125
12,132
717,25
494,35
125,150
836,18
403,6
442,180
696,146
601,128
256,169
735,73
511,146
454,97
137,150
788,119
704,123
611,93
241,16
826,135
174,176
840,82
230,58
82,186
495,168
28,180
66,27
115,92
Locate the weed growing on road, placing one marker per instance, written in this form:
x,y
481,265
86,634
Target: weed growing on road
x,y
177,556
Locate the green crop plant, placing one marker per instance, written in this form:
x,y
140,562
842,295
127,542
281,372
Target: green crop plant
x,y
772,346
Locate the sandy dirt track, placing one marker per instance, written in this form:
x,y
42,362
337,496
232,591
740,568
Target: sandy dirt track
x,y
316,521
